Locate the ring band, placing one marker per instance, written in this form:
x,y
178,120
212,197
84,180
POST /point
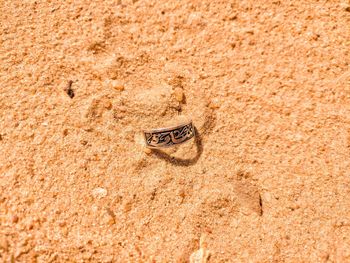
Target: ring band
x,y
171,136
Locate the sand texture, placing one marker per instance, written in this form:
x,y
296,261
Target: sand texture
x,y
267,85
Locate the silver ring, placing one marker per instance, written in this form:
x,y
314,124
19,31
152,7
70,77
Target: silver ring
x,y
170,136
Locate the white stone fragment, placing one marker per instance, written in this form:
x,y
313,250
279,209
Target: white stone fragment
x,y
99,192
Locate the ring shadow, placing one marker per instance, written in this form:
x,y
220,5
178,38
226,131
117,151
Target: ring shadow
x,y
180,161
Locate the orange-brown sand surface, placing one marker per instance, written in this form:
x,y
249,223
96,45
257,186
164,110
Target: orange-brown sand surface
x,y
267,85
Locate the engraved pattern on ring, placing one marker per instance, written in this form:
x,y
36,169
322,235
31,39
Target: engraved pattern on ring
x,y
171,137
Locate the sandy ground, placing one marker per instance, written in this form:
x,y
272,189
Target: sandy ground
x,y
267,84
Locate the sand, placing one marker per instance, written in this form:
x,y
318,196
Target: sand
x,y
267,85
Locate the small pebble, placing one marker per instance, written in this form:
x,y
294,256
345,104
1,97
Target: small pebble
x,y
111,221
117,85
99,192
314,36
147,150
108,105
214,104
15,219
68,89
179,94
